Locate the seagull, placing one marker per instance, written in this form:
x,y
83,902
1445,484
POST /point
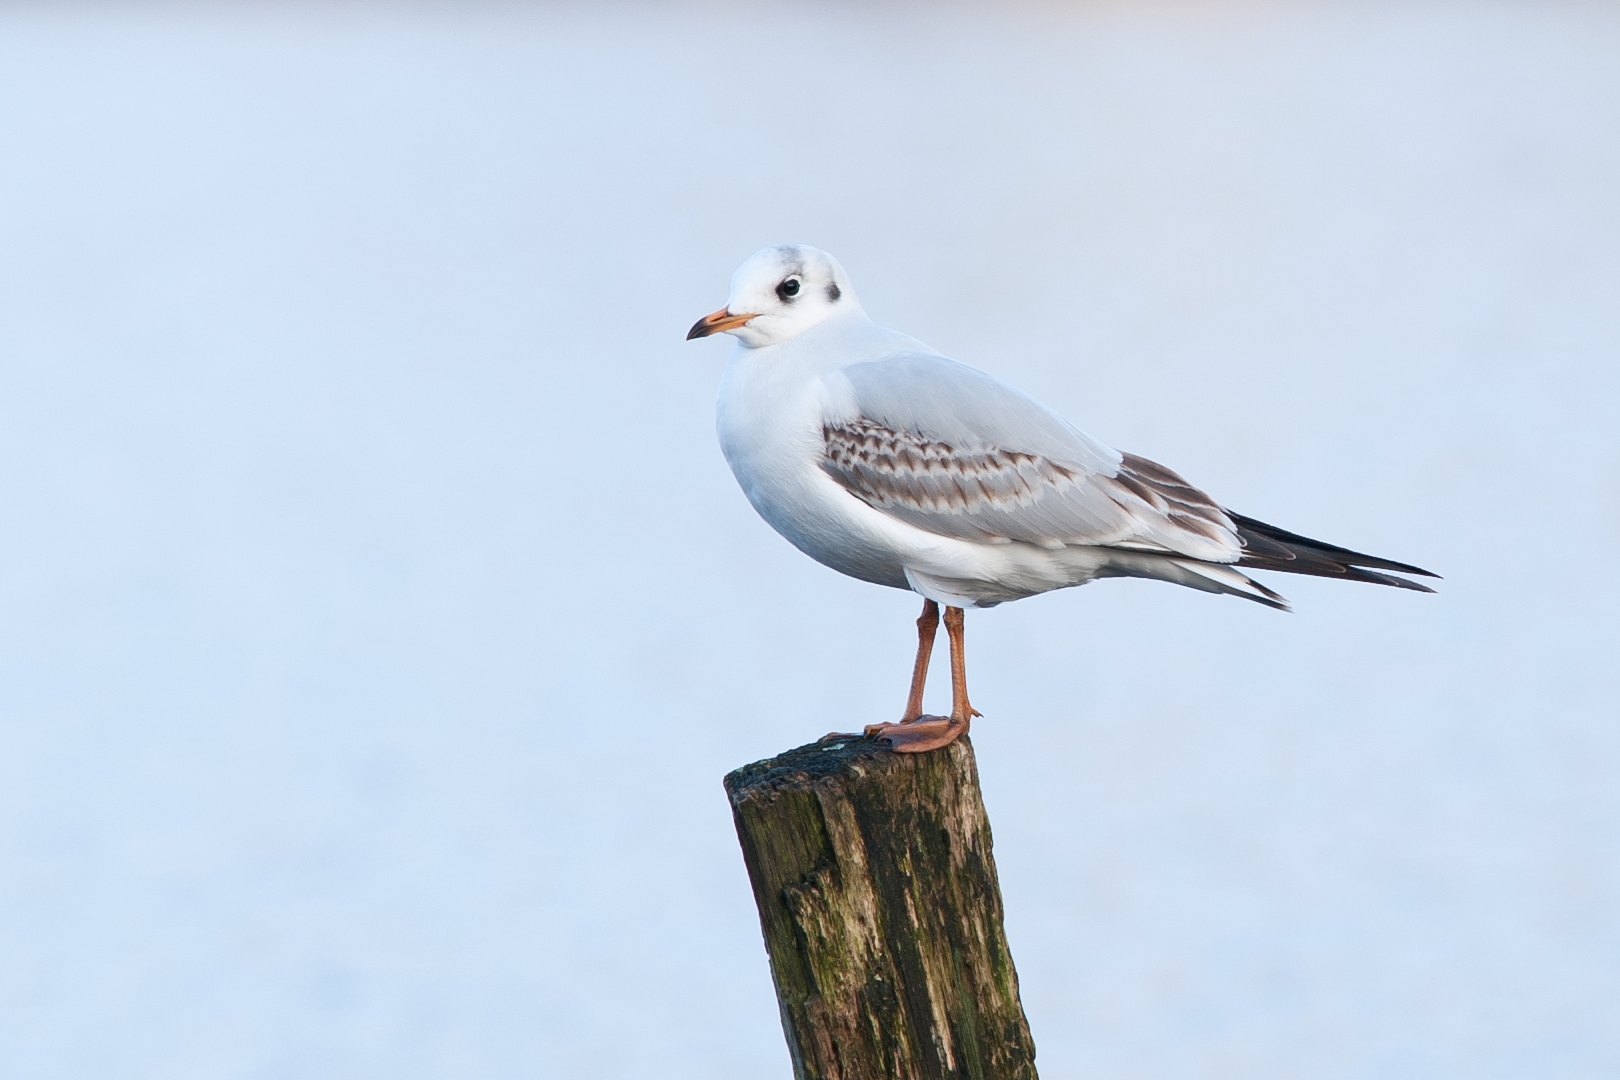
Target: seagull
x,y
883,459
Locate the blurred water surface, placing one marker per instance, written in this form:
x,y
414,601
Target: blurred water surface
x,y
378,615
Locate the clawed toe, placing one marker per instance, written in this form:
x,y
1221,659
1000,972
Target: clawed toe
x,y
875,731
919,735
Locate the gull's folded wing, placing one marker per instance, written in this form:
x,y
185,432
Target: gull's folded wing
x,y
949,449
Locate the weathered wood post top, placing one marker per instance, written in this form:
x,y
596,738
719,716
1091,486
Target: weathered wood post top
x,y
882,916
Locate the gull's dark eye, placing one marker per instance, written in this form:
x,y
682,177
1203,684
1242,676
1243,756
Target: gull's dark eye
x,y
788,289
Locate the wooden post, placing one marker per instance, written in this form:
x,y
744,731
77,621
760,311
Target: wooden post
x,y
878,898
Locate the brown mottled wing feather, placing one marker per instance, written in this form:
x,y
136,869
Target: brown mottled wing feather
x,y
991,493
902,469
1170,495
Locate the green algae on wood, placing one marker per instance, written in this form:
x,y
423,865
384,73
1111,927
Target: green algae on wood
x,y
878,900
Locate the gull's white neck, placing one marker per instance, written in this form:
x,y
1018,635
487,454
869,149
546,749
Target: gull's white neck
x,y
772,393
846,338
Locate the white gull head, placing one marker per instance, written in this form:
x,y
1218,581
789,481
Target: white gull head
x,y
778,294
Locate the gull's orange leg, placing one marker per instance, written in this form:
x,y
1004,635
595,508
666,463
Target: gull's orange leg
x,y
914,736
927,627
927,630
962,711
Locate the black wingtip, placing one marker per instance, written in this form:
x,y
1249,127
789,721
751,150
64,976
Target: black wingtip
x,y
1391,579
1267,547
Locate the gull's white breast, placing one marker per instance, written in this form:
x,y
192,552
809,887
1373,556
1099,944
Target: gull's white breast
x,y
772,405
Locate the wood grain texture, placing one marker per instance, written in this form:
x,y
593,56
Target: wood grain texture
x,y
882,916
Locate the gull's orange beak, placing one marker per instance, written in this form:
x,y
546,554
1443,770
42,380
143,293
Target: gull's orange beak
x,y
717,323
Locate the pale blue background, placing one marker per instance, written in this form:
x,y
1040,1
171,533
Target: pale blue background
x,y
378,617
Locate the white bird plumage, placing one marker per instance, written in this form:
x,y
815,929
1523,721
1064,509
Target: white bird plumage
x,y
879,457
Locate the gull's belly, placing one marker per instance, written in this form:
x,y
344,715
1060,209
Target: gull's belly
x,y
836,529
783,481
841,540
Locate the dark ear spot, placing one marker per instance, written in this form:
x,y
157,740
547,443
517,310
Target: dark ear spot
x,y
833,292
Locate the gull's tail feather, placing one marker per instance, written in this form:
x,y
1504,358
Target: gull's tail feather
x,y
1217,577
1266,547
